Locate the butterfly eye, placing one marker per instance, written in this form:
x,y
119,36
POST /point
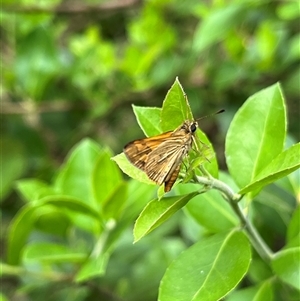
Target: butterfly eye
x,y
193,127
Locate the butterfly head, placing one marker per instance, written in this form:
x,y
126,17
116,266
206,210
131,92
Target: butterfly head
x,y
189,126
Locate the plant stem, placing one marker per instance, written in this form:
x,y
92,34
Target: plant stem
x,y
9,270
233,198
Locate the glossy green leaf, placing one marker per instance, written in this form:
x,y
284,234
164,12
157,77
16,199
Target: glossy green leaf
x,y
175,109
207,205
76,175
208,270
34,189
282,165
286,265
105,177
158,211
131,170
214,28
51,253
13,164
256,135
148,119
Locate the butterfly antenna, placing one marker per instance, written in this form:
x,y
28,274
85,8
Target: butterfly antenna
x,y
218,112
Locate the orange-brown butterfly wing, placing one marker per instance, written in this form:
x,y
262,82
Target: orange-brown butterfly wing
x,y
162,161
137,151
172,179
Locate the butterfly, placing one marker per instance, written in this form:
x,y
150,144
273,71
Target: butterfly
x,y
161,156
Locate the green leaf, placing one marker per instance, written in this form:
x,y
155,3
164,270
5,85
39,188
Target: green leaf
x,y
208,270
284,164
294,179
115,203
256,135
286,265
20,227
106,177
41,61
24,221
95,266
158,211
294,226
34,189
51,220
76,176
138,196
265,292
82,215
148,119
51,253
288,11
13,164
215,27
260,292
69,203
259,271
131,170
209,204
175,109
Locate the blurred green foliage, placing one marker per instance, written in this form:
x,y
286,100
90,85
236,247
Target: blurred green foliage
x,y
71,70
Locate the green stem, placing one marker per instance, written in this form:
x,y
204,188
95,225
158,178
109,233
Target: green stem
x,y
10,270
233,198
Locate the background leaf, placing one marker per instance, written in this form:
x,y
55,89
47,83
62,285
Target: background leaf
x,y
13,164
105,177
294,226
33,189
213,28
286,266
256,135
260,292
282,165
208,270
51,253
75,177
